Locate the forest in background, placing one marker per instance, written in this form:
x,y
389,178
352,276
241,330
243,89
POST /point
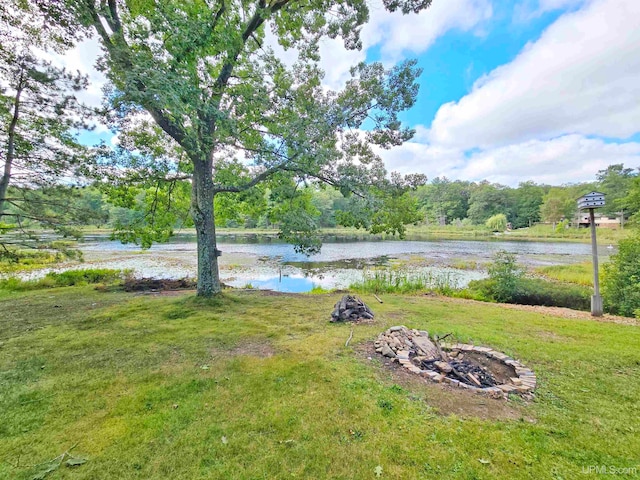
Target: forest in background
x,y
440,202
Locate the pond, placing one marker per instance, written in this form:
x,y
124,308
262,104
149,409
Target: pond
x,y
264,262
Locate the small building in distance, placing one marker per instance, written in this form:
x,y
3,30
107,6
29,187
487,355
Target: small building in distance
x,y
602,221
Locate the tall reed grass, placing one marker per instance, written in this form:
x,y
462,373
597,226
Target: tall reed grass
x,y
390,280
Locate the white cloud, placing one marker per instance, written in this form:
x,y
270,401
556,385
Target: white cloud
x,y
550,5
529,10
566,159
412,34
418,156
396,35
336,61
581,77
82,58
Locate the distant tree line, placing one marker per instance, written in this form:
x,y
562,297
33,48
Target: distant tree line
x,y
459,202
440,202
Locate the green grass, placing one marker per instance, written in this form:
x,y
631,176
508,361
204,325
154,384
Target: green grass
x,y
461,264
547,232
579,273
537,233
67,278
25,260
153,387
401,280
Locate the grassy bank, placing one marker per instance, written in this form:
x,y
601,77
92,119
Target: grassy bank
x,y
547,232
444,232
579,273
256,385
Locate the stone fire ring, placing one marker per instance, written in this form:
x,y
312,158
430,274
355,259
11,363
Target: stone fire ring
x,y
523,383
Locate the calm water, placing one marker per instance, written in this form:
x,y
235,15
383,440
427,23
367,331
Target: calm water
x,y
264,262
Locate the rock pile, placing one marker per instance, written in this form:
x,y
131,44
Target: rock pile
x,y
401,338
421,354
351,309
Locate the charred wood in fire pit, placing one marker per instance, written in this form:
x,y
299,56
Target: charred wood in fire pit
x,y
464,371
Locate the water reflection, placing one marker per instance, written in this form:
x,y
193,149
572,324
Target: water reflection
x,y
259,260
292,284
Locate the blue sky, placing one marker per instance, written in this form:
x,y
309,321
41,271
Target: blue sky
x,y
457,59
542,90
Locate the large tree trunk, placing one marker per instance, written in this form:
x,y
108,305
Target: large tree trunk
x,y
11,147
203,218
4,184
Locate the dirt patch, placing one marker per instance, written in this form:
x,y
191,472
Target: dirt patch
x,y
553,311
550,336
501,372
254,349
268,293
157,284
175,293
443,398
175,363
258,349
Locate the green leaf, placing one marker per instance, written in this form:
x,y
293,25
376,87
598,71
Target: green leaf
x,y
42,475
378,471
75,461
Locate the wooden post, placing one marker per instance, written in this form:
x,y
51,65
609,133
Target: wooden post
x,y
596,299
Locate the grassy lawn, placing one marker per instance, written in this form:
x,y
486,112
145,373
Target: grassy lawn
x,y
260,386
580,273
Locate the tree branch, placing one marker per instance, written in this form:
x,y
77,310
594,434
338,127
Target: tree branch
x,y
219,14
123,57
97,23
252,183
113,9
258,18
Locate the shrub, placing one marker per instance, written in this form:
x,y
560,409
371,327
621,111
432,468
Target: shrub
x,y
621,283
83,277
497,223
505,275
65,279
534,291
507,284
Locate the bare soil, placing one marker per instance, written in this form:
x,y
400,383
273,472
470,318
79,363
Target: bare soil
x,y
156,285
501,372
259,349
445,399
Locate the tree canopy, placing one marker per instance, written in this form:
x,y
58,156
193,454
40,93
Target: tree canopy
x,y
39,117
203,71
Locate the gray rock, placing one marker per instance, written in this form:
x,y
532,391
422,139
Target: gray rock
x,y
426,347
387,352
443,367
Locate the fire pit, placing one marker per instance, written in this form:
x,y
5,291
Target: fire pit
x,y
479,369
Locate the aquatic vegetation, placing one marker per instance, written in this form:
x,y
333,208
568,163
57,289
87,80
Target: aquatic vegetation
x,y
402,280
